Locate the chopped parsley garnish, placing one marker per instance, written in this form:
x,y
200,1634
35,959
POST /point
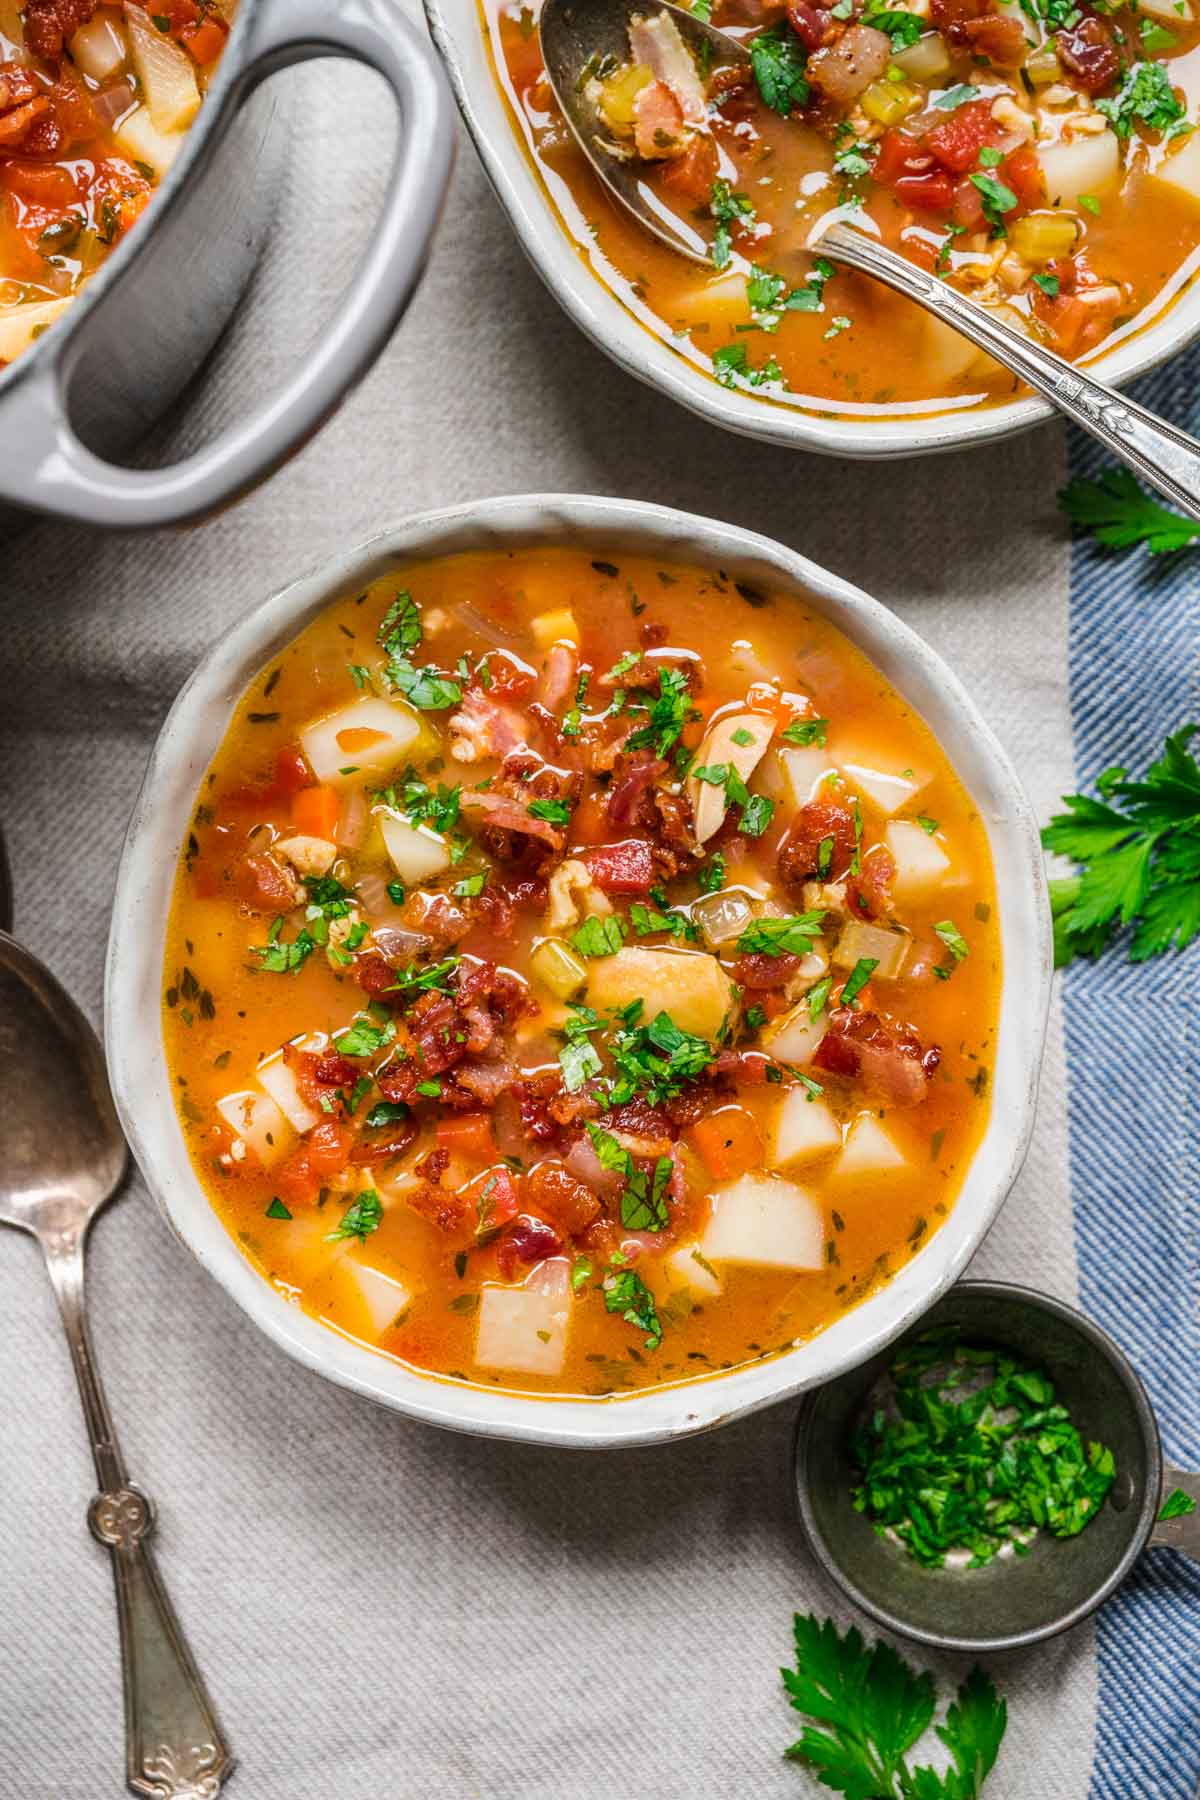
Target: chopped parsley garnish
x,y
817,997
668,715
598,937
792,936
552,811
1118,513
953,939
437,807
1049,285
626,1293
757,814
280,957
857,980
395,892
579,1061
400,628
648,919
957,96
581,1269
997,201
1177,1504
387,1112
811,297
804,732
711,877
363,1038
360,1219
426,689
471,886
655,1061
429,1090
728,209
623,665
855,160
1140,850
277,1210
777,57
1145,96
731,364
928,825
904,28
977,1455
1090,204
416,980
757,811
869,1709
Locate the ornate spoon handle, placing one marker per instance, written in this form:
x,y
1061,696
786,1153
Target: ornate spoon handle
x,y
174,1749
1168,459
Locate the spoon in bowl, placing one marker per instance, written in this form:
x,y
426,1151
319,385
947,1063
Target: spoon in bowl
x,y
62,1157
576,34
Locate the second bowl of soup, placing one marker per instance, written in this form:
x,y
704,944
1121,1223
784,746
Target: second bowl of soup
x,y
577,937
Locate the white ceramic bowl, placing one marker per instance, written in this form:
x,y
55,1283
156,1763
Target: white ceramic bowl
x,y
568,269
186,746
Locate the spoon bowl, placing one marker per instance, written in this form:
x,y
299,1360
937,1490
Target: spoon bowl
x,y
1013,1601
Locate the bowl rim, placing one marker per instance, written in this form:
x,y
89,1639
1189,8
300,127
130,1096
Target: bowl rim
x,y
460,34
186,744
1106,1346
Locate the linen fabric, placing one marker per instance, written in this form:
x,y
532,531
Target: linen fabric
x,y
384,1611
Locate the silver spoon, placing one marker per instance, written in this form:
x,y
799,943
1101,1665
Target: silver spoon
x,y
62,1156
573,32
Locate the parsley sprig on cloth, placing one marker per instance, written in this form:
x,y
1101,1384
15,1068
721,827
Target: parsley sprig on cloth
x,y
1139,847
1120,513
976,1455
870,1709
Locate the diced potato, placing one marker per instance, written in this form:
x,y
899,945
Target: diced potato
x,y
142,141
803,1128
368,737
794,1037
416,852
20,325
99,49
718,303
558,969
258,1122
1175,12
278,1079
615,101
888,948
1181,169
868,1150
722,745
887,102
803,771
524,1329
383,1295
919,858
690,986
1081,165
927,60
555,628
165,70
1040,237
887,789
688,1267
765,1221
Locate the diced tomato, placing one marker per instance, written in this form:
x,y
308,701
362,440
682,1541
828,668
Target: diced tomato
x,y
729,1142
323,1154
1065,316
957,143
315,812
625,868
693,173
968,205
291,772
900,154
18,124
1022,172
203,41
39,184
468,1135
933,192
493,1198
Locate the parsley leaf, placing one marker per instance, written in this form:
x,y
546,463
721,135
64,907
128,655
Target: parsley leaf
x,y
553,811
997,201
1119,513
668,715
363,1216
857,980
777,57
1177,1504
1141,863
792,936
903,28
282,958
655,1061
598,937
805,732
400,628
953,939
1145,95
728,209
731,364
426,689
711,877
363,1038
626,1293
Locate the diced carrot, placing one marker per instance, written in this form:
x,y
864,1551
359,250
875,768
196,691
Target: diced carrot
x,y
469,1135
315,812
728,1141
493,1197
203,42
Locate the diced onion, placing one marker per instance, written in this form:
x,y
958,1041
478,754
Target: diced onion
x,y
722,917
927,60
889,949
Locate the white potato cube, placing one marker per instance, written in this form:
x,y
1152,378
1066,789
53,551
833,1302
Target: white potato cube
x,y
690,986
99,49
383,1295
803,1128
416,851
278,1079
794,1037
1175,12
1181,168
868,1150
368,737
20,325
165,71
688,1267
803,771
142,141
765,1221
920,860
888,790
888,949
1081,165
524,1329
258,1122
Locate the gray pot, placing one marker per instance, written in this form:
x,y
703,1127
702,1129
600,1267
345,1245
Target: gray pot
x,y
88,390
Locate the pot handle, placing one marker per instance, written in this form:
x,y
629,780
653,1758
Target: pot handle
x,y
1183,1531
65,478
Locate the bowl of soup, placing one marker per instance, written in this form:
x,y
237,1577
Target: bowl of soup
x,y
578,971
1042,159
141,157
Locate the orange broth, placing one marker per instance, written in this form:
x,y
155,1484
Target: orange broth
x,y
481,1243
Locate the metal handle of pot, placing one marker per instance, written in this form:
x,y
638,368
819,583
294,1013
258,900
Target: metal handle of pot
x,y
67,479
1183,1531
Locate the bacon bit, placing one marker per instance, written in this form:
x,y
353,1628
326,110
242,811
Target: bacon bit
x,y
1088,51
869,894
843,70
485,1081
436,916
433,1165
631,785
16,126
758,971
534,1096
17,86
375,977
334,1071
263,886
484,727
799,853
886,1058
644,1130
449,1212
951,15
746,1068
511,680
809,23
1001,40
324,1153
50,24
558,682
527,1240
370,1152
500,813
625,868
554,1192
692,176
445,1029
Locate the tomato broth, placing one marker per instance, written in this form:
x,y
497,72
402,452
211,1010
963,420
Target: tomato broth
x,y
582,974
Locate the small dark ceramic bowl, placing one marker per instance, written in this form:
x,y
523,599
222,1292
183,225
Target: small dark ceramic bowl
x,y
1016,1600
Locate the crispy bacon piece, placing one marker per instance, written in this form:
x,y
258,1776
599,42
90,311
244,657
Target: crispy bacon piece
x,y
629,797
324,1153
1088,52
844,69
50,24
800,852
485,1081
333,1070
761,973
658,126
558,682
885,1058
263,886
869,893
809,23
502,813
1000,39
556,1195
484,727
447,1210
625,868
445,1029
527,1240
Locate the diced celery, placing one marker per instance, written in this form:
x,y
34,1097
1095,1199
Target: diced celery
x,y
887,102
558,969
1040,237
1043,67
